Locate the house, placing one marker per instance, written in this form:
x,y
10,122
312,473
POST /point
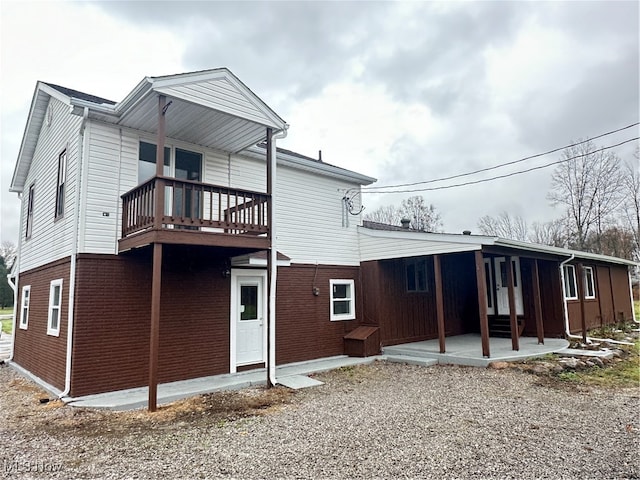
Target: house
x,y
166,237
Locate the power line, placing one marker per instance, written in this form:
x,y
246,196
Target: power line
x,y
500,165
473,182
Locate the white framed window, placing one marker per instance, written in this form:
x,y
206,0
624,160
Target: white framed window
x,y
55,307
589,283
24,307
570,284
343,301
416,275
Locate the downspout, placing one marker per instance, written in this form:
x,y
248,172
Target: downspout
x,y
14,287
567,331
633,305
273,252
74,254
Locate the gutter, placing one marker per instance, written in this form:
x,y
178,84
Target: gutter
x,y
567,331
74,255
273,252
633,305
14,287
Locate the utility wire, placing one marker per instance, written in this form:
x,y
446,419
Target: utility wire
x,y
500,165
473,182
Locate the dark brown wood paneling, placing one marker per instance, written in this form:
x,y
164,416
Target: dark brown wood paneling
x,y
304,330
43,355
621,292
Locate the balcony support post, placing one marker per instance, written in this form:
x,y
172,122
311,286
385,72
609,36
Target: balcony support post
x,y
159,187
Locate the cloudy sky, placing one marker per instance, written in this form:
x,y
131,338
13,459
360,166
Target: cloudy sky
x,y
403,92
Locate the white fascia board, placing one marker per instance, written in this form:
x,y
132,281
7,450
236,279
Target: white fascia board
x,y
422,253
132,99
565,252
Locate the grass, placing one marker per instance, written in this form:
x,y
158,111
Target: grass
x,y
636,305
622,374
7,325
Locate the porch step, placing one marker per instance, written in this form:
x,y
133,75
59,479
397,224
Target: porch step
x,y
501,327
420,361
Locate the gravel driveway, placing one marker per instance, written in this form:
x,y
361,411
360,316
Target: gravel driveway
x,y
377,421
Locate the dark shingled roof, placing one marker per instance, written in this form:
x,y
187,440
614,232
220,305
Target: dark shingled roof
x,y
69,92
383,226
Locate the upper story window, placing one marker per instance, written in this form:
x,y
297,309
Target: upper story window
x,y
416,274
60,189
570,284
55,307
147,162
30,198
343,302
589,283
24,307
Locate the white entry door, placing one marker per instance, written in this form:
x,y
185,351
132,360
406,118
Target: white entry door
x,y
248,311
502,288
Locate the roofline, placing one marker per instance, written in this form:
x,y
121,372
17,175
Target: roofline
x,y
487,241
296,160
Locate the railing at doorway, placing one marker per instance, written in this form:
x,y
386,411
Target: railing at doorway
x,y
192,205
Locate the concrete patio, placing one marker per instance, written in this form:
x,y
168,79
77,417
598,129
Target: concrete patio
x,y
467,350
460,350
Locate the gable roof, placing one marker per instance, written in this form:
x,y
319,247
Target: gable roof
x,y
381,243
211,108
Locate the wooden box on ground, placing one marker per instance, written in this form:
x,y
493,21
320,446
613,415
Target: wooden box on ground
x,y
362,342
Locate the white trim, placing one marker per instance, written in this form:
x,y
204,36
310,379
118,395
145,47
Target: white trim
x,y
24,323
351,298
490,285
52,287
502,299
588,284
572,270
236,274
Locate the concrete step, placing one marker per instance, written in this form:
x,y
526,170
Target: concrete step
x,y
421,361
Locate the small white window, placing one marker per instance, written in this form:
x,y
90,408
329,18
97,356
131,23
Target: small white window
x,y
55,307
589,283
570,285
343,302
24,307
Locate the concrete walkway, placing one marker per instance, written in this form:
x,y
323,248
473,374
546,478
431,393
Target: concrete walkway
x,y
170,392
6,342
461,350
467,350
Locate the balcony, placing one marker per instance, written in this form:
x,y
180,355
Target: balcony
x,y
194,213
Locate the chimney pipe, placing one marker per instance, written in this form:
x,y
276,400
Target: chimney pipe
x,y
405,223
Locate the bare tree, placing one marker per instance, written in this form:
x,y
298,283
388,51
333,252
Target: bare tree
x,y
505,226
423,216
614,241
631,203
588,184
552,233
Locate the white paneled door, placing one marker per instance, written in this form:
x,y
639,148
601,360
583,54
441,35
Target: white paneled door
x,y
249,312
502,289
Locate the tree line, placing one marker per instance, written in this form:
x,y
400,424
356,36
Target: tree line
x,y
596,193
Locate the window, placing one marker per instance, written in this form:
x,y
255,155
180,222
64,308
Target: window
x,y
29,228
147,162
24,307
416,273
62,175
589,283
343,303
55,307
570,285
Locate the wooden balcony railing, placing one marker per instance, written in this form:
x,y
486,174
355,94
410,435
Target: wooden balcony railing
x,y
190,205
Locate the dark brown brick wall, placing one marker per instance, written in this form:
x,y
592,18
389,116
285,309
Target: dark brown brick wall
x,y
43,355
304,330
111,335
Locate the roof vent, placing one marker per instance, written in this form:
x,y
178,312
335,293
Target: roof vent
x,y
466,232
319,155
405,223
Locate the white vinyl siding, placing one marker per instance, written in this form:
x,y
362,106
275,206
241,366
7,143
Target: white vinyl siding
x,y
308,206
24,307
343,300
55,307
50,239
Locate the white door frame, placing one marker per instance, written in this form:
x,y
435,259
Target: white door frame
x,y
501,297
236,275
